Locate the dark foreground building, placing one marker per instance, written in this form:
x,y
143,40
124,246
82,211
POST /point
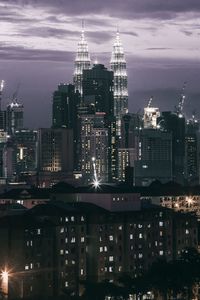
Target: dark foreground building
x,y
53,246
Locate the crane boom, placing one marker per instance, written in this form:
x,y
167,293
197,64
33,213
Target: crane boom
x,y
182,100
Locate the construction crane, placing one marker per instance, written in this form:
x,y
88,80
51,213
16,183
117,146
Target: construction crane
x,y
150,101
15,94
1,91
179,109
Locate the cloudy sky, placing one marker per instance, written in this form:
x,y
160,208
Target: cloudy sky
x,y
161,38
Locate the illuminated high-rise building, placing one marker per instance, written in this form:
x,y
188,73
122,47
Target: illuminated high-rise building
x,y
82,62
118,66
94,144
55,150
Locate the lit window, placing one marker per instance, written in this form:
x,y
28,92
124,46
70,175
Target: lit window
x,y
187,231
161,233
73,262
66,284
101,249
131,236
140,236
111,258
139,225
82,239
66,261
111,237
160,223
120,227
120,268
66,240
82,271
140,255
72,218
73,240
61,252
161,252
82,218
105,249
66,219
39,231
61,229
26,267
31,266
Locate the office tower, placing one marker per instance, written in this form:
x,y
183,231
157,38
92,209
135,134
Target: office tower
x,y
15,115
3,141
94,145
65,103
98,89
82,62
154,156
191,171
3,120
9,160
98,98
175,124
130,123
118,66
25,146
65,113
55,150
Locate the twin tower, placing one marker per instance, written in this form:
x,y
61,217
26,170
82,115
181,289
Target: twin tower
x,y
117,65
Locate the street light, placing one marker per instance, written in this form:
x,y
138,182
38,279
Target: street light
x,y
4,282
96,183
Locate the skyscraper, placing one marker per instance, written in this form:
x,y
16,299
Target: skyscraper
x,y
175,124
65,102
82,62
118,66
98,89
15,116
154,156
191,151
94,143
55,150
98,97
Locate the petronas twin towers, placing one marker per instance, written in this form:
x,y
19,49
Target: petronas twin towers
x,y
117,65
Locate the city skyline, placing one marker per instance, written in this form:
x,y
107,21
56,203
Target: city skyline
x,y
38,43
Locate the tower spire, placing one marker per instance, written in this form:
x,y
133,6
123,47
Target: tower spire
x,y
82,60
118,66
